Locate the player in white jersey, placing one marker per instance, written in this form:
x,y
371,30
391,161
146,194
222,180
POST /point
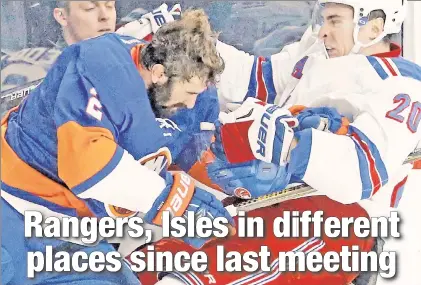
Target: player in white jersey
x,y
364,79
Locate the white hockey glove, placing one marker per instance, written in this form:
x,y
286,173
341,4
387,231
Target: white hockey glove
x,y
256,130
148,24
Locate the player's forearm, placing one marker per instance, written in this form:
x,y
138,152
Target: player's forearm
x,y
345,169
128,185
247,75
234,81
93,166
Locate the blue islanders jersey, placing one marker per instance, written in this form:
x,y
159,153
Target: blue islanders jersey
x,y
87,139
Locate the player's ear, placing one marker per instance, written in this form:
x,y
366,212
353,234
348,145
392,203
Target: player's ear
x,y
60,16
158,74
377,27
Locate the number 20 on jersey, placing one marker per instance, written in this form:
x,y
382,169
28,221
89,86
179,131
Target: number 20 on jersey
x,y
414,117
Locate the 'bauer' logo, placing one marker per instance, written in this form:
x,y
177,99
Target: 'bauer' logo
x,y
177,200
263,130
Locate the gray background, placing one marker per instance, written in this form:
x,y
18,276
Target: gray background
x,y
28,32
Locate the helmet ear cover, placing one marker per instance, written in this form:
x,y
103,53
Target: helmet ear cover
x,y
395,11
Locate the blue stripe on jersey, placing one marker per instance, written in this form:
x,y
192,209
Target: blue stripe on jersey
x,y
268,77
253,81
368,174
379,69
102,173
96,207
407,68
266,71
38,200
364,173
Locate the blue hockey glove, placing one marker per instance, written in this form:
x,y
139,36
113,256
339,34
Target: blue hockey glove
x,y
180,197
205,204
248,180
324,119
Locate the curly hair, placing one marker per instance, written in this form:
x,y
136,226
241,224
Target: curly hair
x,y
186,48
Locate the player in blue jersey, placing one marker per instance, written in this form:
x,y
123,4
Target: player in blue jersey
x,y
83,142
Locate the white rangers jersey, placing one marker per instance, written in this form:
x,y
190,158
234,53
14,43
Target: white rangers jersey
x,y
379,94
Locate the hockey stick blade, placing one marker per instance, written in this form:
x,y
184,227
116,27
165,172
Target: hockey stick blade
x,y
293,192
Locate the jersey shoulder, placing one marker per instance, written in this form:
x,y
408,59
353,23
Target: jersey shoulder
x,y
387,67
107,63
103,71
107,52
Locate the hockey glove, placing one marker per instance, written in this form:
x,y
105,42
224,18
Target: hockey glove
x,y
148,24
248,180
256,130
324,119
182,197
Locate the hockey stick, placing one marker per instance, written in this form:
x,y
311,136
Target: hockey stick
x,y
293,192
22,90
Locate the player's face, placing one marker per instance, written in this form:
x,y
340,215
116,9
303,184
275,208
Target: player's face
x,y
175,94
184,93
337,29
87,19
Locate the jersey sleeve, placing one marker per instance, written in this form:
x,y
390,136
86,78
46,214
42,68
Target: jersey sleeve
x,y
247,75
265,78
384,131
102,133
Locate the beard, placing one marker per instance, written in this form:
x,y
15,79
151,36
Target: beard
x,y
159,95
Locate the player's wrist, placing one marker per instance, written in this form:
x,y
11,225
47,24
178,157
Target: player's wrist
x,y
299,155
175,198
292,146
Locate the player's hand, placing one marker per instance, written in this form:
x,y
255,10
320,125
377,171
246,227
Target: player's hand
x,y
255,130
247,180
162,15
148,24
183,196
323,118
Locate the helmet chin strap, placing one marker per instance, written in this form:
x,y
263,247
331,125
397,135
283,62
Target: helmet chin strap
x,y
358,45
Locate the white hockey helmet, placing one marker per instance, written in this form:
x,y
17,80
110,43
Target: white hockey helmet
x,y
395,11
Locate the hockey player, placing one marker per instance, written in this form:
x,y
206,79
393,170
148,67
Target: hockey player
x,y
359,74
80,145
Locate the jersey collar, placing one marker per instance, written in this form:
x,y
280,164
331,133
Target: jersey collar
x,y
135,53
395,51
